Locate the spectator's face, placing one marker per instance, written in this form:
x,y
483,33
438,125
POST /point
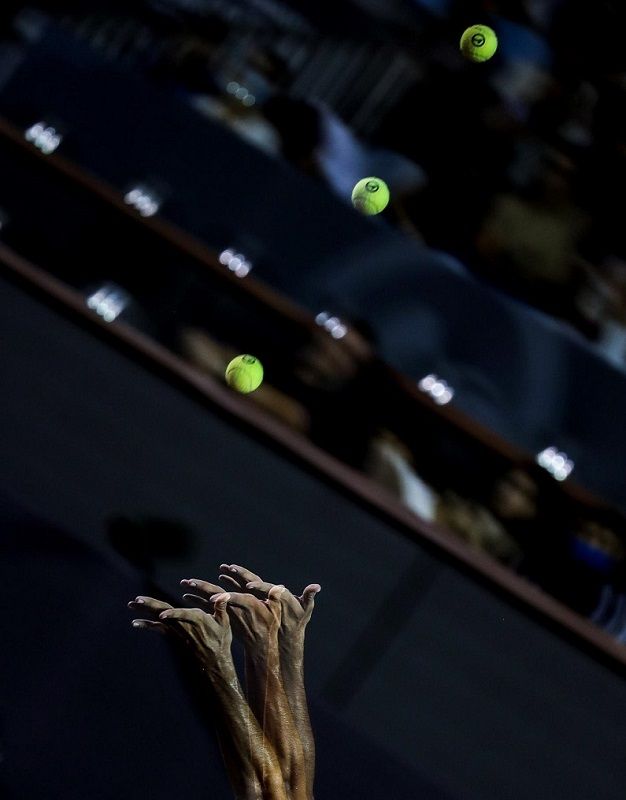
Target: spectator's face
x,y
515,496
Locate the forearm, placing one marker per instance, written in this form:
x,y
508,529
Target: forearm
x,y
292,671
271,706
251,762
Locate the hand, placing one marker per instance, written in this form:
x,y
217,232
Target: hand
x,y
295,615
250,758
256,622
296,611
208,635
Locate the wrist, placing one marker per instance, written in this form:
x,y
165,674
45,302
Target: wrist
x,y
263,657
292,649
220,667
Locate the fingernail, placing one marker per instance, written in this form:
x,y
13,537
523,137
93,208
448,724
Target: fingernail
x,y
233,569
139,600
213,596
163,615
136,624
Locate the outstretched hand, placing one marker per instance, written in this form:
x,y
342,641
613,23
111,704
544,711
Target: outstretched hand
x,y
249,754
296,610
256,622
206,632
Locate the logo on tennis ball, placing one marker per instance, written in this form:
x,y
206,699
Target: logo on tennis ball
x,y
370,195
479,43
244,373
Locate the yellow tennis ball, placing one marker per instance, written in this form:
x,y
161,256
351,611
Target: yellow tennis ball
x,y
244,374
479,43
370,196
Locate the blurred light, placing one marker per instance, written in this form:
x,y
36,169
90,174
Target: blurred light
x,y
241,93
232,87
427,383
242,270
109,301
556,463
236,262
321,318
444,398
45,137
333,325
249,100
143,201
438,389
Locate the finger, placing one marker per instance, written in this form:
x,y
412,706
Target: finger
x,y
149,625
196,601
307,597
220,613
233,579
243,574
231,583
203,588
275,593
148,605
260,588
192,615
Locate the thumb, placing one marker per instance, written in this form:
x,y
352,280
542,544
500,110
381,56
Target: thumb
x,y
220,603
275,593
308,596
273,600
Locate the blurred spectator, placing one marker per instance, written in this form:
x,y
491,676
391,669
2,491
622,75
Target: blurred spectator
x,y
212,357
236,94
391,464
339,380
318,142
527,501
529,240
477,526
591,562
601,302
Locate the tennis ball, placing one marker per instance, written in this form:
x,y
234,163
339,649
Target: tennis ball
x,y
370,196
244,374
479,43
